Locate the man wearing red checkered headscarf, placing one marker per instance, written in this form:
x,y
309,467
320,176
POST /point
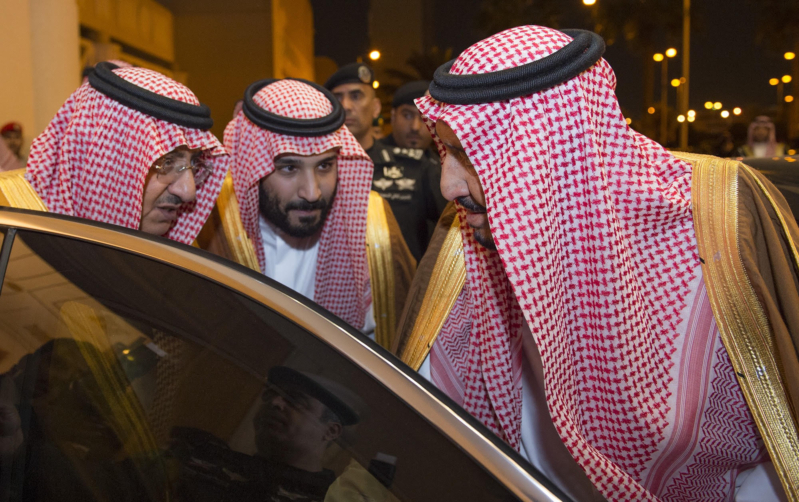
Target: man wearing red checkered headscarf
x,y
130,147
302,183
598,289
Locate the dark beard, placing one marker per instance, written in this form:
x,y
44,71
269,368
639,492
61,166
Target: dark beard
x,y
309,225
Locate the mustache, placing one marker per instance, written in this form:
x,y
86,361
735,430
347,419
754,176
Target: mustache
x,y
469,204
304,205
170,199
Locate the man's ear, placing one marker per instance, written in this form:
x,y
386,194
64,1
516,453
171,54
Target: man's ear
x,y
334,430
376,106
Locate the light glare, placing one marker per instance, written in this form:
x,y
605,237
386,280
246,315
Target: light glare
x,y
374,55
671,52
725,114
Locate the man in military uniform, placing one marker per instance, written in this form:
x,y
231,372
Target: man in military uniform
x,y
352,86
405,175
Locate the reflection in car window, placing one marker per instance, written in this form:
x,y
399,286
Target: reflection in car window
x,y
122,378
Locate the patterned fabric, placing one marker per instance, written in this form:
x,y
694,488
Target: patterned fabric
x,y
597,252
92,159
342,274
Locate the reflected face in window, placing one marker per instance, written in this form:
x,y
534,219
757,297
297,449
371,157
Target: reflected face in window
x,y
298,195
294,427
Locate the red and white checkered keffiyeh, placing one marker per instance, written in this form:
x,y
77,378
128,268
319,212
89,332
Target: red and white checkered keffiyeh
x,y
92,159
597,253
342,275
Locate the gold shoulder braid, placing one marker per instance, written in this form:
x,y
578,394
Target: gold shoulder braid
x,y
381,270
15,191
446,284
240,245
742,322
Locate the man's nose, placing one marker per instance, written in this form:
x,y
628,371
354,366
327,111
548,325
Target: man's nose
x,y
417,124
309,186
453,181
277,402
184,186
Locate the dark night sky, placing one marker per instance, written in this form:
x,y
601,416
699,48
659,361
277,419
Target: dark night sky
x,y
726,63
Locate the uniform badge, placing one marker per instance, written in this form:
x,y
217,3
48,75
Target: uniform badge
x,y
392,172
406,184
364,74
382,183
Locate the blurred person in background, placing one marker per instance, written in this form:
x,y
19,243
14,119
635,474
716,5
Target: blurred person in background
x,y
761,140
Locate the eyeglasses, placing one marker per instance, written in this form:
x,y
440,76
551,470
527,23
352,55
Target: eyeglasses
x,y
168,169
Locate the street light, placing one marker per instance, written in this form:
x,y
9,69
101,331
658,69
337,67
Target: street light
x,y
789,99
708,105
658,57
786,79
725,114
773,81
374,55
717,105
651,110
736,111
681,118
789,55
675,82
671,52
628,120
375,84
589,2
691,113
691,118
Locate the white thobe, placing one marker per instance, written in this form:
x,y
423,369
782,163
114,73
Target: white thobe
x,y
295,266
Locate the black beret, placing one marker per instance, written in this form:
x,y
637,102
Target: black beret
x,y
327,392
359,73
410,91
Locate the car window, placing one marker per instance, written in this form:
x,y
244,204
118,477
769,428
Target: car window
x,y
124,378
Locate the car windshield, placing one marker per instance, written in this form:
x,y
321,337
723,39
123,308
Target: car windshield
x,y
124,378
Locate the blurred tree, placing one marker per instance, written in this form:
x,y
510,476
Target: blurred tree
x,y
496,16
778,29
640,23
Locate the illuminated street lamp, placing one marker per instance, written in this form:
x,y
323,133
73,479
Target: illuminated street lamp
x,y
736,111
375,84
789,99
658,57
628,120
691,118
708,105
725,114
374,55
789,55
589,2
675,82
773,81
651,110
681,118
717,105
671,52
691,113
786,79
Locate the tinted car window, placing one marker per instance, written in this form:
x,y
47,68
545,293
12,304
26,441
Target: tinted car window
x,y
123,378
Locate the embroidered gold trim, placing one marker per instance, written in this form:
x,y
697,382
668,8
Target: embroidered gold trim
x,y
240,246
381,270
15,191
741,320
446,284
